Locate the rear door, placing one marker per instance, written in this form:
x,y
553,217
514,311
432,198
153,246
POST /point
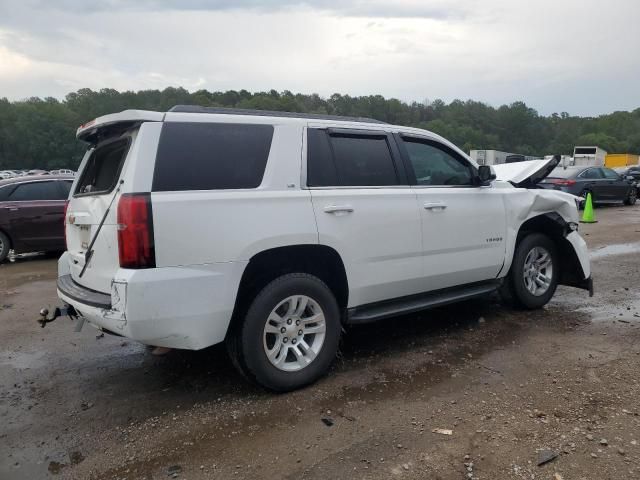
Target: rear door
x,y
463,225
366,211
96,189
593,181
36,211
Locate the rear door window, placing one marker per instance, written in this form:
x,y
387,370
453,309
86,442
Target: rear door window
x,y
609,174
102,170
211,156
591,174
36,191
345,158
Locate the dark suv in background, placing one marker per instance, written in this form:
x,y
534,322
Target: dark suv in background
x,y
604,184
32,213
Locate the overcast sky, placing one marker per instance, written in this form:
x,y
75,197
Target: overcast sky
x,y
579,56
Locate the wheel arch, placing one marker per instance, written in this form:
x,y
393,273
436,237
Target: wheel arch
x,y
320,260
554,226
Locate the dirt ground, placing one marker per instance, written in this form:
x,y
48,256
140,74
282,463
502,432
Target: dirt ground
x,y
514,388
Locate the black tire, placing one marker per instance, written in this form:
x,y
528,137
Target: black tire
x,y
631,197
584,194
245,342
4,247
514,289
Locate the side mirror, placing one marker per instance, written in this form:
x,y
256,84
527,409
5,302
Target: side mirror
x,y
486,174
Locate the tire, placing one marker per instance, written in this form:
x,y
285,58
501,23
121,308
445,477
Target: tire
x,y
518,286
631,197
286,303
584,194
4,247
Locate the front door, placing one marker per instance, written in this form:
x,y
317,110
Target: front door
x,y
463,225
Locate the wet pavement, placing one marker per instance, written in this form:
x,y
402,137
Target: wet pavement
x,y
512,387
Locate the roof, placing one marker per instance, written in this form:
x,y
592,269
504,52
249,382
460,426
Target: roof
x,y
268,113
30,178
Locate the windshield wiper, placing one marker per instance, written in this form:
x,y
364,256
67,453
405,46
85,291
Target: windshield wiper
x,y
89,252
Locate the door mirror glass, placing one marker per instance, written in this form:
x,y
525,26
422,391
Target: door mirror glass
x,y
486,174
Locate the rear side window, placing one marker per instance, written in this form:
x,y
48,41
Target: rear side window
x,y
349,160
103,168
591,173
211,156
37,191
610,174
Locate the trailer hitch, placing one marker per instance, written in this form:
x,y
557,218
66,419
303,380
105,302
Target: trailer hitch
x,y
67,310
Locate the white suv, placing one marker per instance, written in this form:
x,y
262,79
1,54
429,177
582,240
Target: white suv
x,y
273,230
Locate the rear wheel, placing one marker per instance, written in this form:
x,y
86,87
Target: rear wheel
x,y
290,333
4,247
534,273
631,197
584,195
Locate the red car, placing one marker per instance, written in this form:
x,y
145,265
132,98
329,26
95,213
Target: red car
x,y
32,213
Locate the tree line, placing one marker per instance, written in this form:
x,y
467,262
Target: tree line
x,y
40,132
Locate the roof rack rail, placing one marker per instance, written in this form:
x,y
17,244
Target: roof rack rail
x,y
268,113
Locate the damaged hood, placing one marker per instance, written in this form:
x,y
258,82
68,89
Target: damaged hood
x,y
525,174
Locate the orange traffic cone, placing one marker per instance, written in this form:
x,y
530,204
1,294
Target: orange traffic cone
x,y
587,215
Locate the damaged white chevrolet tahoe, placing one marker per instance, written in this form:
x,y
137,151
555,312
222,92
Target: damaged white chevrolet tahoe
x,y
271,231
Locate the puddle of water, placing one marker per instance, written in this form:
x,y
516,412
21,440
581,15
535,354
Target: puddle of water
x,y
617,249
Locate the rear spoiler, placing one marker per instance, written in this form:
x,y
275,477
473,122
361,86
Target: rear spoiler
x,y
107,125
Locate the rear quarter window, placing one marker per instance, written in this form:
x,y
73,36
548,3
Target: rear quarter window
x,y
211,156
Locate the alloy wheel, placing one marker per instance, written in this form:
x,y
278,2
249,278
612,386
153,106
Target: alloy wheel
x,y
294,333
538,271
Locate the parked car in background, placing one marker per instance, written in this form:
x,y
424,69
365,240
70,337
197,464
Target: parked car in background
x,y
37,172
62,171
604,184
32,213
4,174
632,171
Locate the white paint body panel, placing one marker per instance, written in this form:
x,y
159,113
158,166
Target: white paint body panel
x,y
390,245
379,241
464,240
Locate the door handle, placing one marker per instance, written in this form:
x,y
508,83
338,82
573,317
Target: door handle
x,y
435,206
338,209
12,209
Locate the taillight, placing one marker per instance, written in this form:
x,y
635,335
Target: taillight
x,y
135,231
563,183
64,222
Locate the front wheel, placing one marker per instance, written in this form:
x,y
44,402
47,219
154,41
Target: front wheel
x,y
534,273
290,333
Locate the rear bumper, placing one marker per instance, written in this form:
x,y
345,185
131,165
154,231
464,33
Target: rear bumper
x,y
176,307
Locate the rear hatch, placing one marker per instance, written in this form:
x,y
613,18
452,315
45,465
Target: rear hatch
x,y
96,192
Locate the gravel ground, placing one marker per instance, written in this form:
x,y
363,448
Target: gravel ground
x,y
472,391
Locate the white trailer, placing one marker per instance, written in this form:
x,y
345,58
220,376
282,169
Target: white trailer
x,y
494,157
586,156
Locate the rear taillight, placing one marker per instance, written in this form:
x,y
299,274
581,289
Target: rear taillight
x,y
562,183
64,222
135,231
